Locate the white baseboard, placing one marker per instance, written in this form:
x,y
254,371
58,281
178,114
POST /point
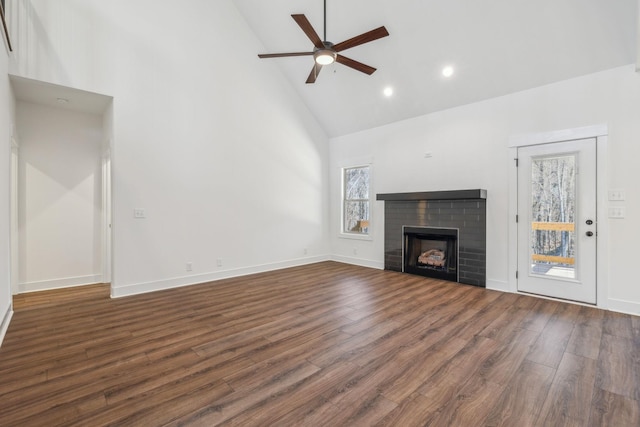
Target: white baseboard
x,y
358,261
66,282
4,326
621,306
177,282
498,285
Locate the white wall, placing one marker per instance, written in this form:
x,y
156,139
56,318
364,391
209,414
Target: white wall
x,y
638,39
60,197
469,146
227,162
6,130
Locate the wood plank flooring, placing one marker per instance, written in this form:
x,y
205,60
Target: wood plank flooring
x,y
321,345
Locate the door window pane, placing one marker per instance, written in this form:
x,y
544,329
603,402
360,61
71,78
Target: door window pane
x,y
553,216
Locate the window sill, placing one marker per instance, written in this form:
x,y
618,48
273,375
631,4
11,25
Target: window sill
x,y
355,236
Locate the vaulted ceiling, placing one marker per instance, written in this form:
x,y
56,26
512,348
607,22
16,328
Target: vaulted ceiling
x,y
495,47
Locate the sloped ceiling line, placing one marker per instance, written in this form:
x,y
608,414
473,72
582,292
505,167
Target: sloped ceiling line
x,y
496,48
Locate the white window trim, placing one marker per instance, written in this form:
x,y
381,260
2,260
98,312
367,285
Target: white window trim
x,y
356,236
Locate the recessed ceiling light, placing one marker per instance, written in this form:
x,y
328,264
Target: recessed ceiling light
x,y
447,71
388,91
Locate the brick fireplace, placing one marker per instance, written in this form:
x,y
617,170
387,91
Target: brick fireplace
x,y
460,210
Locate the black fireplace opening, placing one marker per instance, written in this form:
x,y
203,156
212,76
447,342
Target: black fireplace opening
x,y
431,252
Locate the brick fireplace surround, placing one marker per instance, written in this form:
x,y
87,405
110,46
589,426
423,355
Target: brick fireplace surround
x,y
461,209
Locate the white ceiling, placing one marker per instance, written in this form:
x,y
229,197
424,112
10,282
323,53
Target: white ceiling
x,y
496,46
52,95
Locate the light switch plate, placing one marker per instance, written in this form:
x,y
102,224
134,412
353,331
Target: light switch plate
x,y
616,213
617,195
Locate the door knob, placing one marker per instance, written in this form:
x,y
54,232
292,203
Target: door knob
x,y
589,233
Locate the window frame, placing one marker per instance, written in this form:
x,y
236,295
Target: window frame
x,y
355,234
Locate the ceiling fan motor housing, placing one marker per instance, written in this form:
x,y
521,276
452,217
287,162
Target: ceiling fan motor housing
x,y
326,55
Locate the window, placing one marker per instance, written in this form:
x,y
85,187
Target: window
x,y
355,200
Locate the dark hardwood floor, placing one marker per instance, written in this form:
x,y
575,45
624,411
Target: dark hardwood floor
x,y
321,345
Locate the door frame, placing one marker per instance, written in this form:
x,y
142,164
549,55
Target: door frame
x,y
600,133
106,215
14,271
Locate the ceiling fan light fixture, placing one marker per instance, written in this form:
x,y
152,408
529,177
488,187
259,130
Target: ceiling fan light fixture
x,y
325,52
324,56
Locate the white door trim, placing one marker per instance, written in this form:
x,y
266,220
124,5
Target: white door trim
x,y
558,136
106,216
602,264
14,233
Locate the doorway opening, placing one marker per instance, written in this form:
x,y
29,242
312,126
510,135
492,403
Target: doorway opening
x,y
61,187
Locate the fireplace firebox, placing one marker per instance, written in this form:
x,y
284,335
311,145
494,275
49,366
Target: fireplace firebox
x,y
431,252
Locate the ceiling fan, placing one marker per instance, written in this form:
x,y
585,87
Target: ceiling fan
x,y
325,52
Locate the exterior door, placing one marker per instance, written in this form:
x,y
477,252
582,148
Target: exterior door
x,y
557,227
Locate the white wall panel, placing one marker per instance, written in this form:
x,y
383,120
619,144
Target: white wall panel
x,y
6,131
214,145
60,197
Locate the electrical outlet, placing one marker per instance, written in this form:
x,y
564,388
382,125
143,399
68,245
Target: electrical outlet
x,y
139,213
305,251
617,213
617,195
219,262
189,266
355,251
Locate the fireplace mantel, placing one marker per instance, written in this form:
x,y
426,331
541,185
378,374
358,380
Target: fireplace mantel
x,y
434,195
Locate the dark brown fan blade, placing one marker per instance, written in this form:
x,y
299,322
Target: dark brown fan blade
x,y
304,23
314,73
355,64
282,55
370,36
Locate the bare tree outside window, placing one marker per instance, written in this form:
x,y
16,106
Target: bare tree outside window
x,y
356,200
553,208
